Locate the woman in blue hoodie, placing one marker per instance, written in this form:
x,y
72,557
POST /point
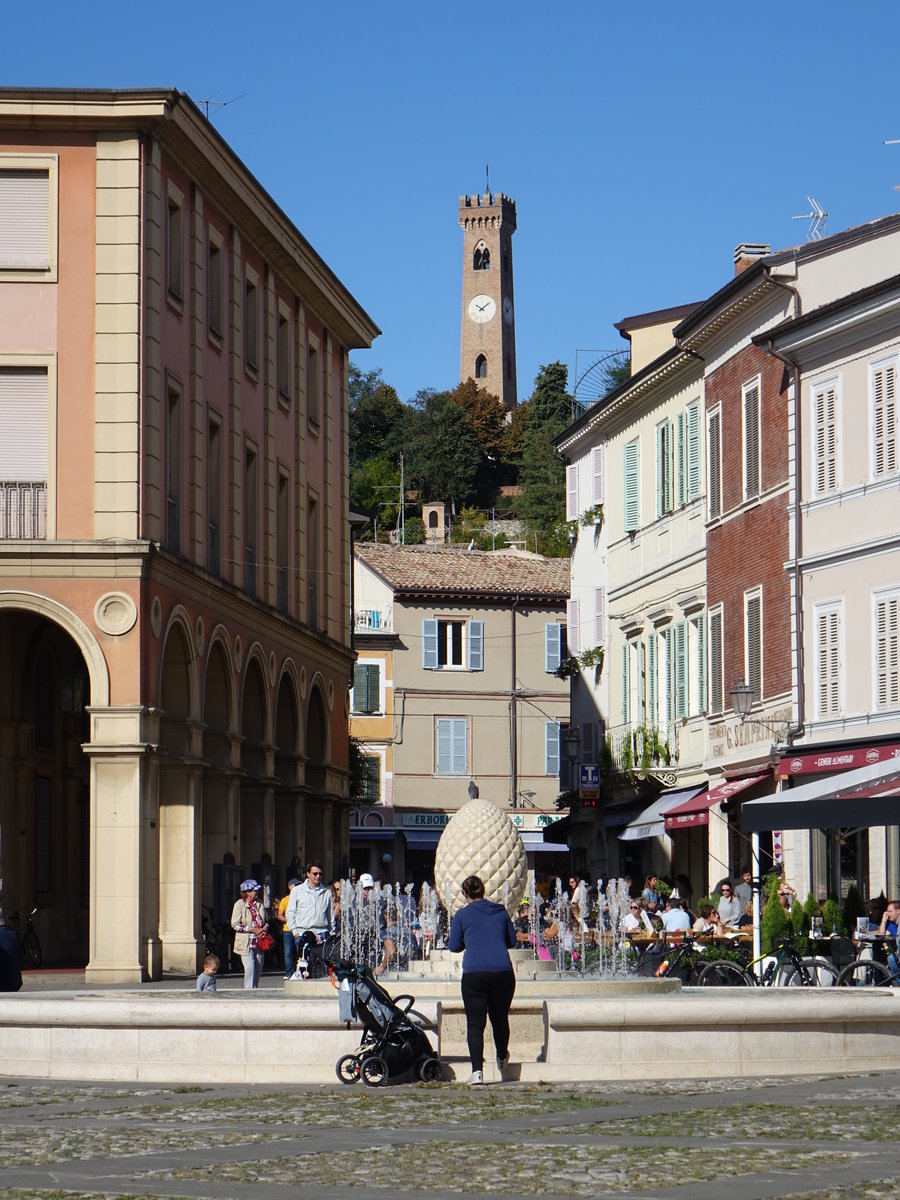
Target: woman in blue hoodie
x,y
483,929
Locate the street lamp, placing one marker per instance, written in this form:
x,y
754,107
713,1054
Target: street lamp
x,y
572,743
742,696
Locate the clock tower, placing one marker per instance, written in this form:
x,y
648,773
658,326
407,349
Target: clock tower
x,y
488,341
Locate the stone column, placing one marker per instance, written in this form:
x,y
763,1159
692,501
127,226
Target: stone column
x,y
179,862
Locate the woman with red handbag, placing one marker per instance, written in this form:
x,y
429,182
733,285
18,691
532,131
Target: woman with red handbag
x,y
251,932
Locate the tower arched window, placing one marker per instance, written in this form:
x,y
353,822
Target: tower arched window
x,y
481,367
432,520
481,259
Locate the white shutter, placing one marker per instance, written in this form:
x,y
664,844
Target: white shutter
x,y
444,747
552,645
887,652
681,454
430,645
24,407
599,616
701,663
573,633
693,452
642,683
460,747
714,465
24,220
828,664
597,475
884,419
476,645
632,492
681,671
571,494
626,686
669,642
751,442
652,681
825,410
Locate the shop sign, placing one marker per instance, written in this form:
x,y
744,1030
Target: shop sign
x,y
589,783
728,737
836,760
532,821
423,819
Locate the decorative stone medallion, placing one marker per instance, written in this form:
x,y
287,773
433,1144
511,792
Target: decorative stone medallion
x,y
481,840
201,636
115,613
156,617
238,653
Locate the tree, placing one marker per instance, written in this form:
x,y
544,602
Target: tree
x,y
375,486
486,415
376,417
542,477
444,456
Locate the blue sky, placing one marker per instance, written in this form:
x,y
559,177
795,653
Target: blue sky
x,y
641,142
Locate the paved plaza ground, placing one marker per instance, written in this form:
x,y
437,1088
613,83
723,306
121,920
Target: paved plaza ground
x,y
828,1138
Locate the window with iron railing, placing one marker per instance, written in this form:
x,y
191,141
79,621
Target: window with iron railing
x,y
23,510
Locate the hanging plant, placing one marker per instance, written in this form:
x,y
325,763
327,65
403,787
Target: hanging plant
x,y
567,668
592,658
592,516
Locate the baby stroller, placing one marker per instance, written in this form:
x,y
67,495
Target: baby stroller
x,y
394,1042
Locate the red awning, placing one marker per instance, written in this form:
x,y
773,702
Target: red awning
x,y
696,811
836,759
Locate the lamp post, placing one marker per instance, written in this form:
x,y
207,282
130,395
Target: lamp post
x,y
742,699
572,745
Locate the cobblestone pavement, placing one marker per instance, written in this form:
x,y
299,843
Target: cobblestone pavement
x,y
822,1138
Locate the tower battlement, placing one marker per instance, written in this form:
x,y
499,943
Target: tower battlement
x,y
487,206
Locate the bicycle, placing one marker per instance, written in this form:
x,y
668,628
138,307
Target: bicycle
x,y
679,960
872,972
787,969
28,939
217,939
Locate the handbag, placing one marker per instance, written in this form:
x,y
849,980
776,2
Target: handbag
x,y
265,941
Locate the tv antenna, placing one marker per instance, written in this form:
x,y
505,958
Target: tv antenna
x,y
217,104
818,221
893,142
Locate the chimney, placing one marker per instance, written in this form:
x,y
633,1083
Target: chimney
x,y
747,253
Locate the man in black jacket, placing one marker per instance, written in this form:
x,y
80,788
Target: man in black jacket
x,y
10,958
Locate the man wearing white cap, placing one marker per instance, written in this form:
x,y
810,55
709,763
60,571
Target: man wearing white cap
x,y
310,916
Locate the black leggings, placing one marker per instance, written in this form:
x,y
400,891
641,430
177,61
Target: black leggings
x,y
487,994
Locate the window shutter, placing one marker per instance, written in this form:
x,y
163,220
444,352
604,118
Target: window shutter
x,y
552,646
884,419
588,753
642,682
652,681
693,452
597,475
571,493
681,452
599,616
24,438
24,220
751,442
573,633
626,687
754,644
716,693
661,469
701,664
444,747
551,748
430,645
669,642
828,634
887,652
714,465
373,688
632,494
681,673
460,755
476,645
825,408
359,687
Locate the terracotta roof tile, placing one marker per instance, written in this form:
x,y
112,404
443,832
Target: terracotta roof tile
x,y
427,570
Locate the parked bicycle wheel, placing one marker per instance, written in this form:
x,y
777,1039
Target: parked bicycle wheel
x,y
724,974
815,972
31,948
865,972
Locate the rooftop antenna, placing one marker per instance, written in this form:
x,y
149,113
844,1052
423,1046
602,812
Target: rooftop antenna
x,y
893,142
217,104
818,221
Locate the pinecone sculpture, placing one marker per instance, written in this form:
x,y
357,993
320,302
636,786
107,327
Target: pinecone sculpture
x,y
480,840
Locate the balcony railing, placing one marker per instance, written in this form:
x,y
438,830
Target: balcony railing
x,y
643,747
374,620
23,510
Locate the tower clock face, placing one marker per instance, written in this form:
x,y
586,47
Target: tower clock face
x,y
507,311
481,309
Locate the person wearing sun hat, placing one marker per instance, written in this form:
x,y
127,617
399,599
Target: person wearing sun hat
x,y
248,920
